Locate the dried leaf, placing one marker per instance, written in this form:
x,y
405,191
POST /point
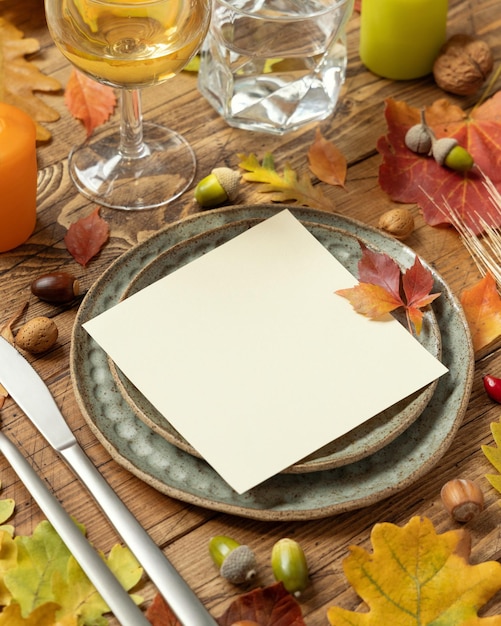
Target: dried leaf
x,y
284,187
482,307
86,237
416,576
19,78
413,178
89,101
268,606
159,613
384,288
326,161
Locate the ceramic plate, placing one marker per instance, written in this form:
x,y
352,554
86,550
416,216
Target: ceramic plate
x,y
361,441
308,495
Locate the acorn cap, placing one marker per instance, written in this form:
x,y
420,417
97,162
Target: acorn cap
x,y
228,179
239,566
442,147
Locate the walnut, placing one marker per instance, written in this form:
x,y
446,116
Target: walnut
x,y
397,222
463,65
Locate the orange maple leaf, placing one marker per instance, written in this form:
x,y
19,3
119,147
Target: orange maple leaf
x,y
482,307
326,161
89,101
19,78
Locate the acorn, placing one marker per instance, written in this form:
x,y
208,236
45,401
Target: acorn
x,y
289,565
447,151
462,498
56,288
418,138
218,187
237,563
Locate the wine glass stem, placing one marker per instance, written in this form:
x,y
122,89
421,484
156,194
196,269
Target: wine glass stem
x,y
132,145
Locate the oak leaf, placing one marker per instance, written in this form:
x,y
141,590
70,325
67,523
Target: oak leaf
x,y
86,237
326,161
89,101
416,576
412,178
482,308
383,288
283,187
19,78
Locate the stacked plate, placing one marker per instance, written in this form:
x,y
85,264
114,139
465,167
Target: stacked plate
x,y
378,458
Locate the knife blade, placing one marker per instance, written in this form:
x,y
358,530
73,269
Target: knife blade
x,y
109,587
34,398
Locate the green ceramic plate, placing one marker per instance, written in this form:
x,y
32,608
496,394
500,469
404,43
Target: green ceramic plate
x,y
292,496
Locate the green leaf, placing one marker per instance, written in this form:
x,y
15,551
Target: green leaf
x,y
284,187
45,571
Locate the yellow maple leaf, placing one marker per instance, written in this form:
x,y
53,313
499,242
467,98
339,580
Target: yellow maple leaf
x,y
415,576
482,307
19,78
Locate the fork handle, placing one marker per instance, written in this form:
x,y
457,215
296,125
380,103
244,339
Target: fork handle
x,y
179,596
115,596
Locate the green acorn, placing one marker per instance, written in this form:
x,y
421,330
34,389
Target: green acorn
x,y
447,151
237,563
218,187
289,565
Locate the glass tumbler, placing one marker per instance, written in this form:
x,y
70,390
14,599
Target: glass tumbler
x,y
274,65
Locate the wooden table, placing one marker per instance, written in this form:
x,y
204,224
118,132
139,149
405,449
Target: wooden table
x,y
183,530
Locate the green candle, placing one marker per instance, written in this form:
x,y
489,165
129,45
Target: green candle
x,y
400,39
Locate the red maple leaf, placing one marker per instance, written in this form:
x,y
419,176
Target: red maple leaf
x,y
86,237
383,288
413,178
89,101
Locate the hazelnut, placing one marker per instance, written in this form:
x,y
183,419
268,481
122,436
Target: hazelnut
x,y
462,498
463,65
37,335
397,222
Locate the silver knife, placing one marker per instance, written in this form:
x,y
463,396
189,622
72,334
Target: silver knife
x,y
109,587
34,398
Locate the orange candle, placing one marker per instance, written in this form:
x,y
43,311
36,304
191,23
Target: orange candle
x,y
18,177
400,39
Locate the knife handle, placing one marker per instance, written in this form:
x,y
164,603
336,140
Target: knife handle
x,y
115,596
179,596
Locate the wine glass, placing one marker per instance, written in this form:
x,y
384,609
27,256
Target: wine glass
x,y
130,44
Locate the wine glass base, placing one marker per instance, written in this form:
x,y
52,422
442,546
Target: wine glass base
x,y
103,174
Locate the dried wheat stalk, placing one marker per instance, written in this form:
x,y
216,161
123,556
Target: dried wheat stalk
x,y
485,249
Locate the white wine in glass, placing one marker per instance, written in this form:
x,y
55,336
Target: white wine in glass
x,y
130,44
